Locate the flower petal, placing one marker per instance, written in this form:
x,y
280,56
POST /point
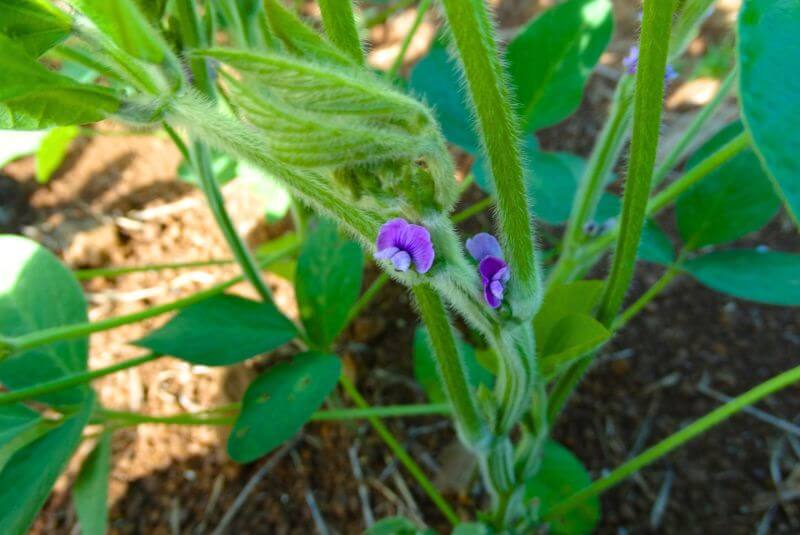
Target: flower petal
x,y
389,234
401,261
497,289
482,245
416,240
491,299
387,253
491,266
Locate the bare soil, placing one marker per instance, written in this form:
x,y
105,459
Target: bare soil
x,y
116,201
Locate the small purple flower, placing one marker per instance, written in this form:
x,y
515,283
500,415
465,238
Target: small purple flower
x,y
631,62
404,243
493,269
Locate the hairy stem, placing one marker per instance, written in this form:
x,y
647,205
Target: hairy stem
x,y
673,441
477,50
648,102
451,368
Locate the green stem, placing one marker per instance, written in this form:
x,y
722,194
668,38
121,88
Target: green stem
x,y
401,56
340,26
651,293
450,365
218,416
359,306
80,330
69,381
605,154
671,159
470,211
648,102
116,271
401,454
673,441
473,35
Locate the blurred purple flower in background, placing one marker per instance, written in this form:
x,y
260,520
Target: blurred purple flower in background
x,y
493,269
404,243
631,62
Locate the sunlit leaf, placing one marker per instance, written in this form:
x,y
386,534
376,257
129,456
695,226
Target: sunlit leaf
x,y
52,151
34,25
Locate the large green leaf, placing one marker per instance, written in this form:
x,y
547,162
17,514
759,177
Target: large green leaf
x,y
769,78
32,97
90,490
27,478
561,475
551,58
37,292
425,367
734,199
126,25
53,150
329,272
435,79
279,402
221,330
35,25
766,277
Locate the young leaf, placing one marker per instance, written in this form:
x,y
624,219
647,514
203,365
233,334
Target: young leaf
x,y
572,337
279,402
329,272
561,475
769,277
90,490
435,79
26,480
550,60
223,166
127,26
32,97
52,151
734,199
427,376
769,80
37,292
35,25
222,330
562,300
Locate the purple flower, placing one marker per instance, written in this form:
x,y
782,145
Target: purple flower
x,y
493,269
631,62
404,243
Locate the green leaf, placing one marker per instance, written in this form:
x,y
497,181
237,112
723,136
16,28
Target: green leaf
x,y
562,300
328,280
550,60
731,201
32,97
222,330
769,80
471,528
27,478
38,292
16,144
396,525
287,267
127,26
427,376
90,490
436,80
279,402
561,475
223,166
35,25
766,277
572,337
16,419
53,150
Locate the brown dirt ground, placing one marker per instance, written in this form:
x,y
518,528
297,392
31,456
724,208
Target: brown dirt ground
x,y
116,202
